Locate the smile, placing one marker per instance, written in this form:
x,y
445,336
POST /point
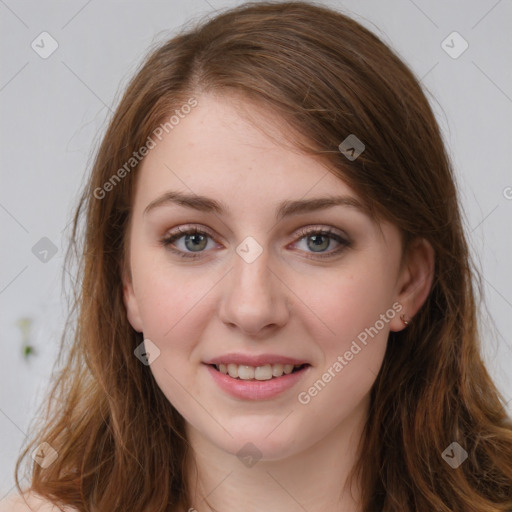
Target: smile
x,y
265,372
262,382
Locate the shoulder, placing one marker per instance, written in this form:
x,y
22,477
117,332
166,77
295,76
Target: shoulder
x,y
30,502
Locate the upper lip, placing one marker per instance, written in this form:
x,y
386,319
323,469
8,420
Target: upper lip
x,y
255,360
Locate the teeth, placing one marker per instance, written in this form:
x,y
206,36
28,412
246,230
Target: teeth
x,y
246,372
233,370
265,372
277,370
288,368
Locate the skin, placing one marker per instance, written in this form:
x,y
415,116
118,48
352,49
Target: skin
x,y
288,301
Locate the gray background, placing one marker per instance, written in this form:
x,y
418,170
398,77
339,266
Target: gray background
x,y
54,111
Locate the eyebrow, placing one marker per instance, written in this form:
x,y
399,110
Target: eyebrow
x,y
285,209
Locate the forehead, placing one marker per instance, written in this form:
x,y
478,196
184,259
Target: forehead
x,y
229,146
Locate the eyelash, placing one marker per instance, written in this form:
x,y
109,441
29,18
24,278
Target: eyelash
x,y
303,233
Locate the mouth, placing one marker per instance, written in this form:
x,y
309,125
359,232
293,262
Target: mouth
x,y
258,373
267,377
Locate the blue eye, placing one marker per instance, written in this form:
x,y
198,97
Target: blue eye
x,y
195,240
321,239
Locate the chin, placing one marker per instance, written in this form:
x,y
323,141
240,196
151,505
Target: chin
x,y
257,439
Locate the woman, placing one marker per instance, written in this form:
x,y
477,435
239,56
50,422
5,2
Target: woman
x,y
276,306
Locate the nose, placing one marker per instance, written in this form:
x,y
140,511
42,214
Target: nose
x,y
255,299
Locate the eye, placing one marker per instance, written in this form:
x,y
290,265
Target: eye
x,y
195,240
319,239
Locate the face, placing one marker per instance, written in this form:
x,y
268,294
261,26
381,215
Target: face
x,y
250,279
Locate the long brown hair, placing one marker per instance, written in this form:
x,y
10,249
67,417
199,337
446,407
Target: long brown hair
x,y
121,445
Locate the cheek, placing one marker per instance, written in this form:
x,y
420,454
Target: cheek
x,y
351,355
344,306
355,311
168,295
175,307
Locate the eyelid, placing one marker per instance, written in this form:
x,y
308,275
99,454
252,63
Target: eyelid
x,y
334,234
316,228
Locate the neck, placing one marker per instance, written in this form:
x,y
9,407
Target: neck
x,y
314,479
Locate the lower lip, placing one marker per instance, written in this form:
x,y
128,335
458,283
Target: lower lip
x,y
256,389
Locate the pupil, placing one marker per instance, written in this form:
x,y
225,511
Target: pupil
x,y
317,243
188,238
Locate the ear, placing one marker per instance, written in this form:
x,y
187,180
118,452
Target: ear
x,y
414,281
130,302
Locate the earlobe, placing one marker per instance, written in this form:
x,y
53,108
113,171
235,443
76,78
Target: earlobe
x,y
131,305
415,282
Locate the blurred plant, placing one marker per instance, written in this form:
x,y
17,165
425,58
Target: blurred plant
x,y
25,324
